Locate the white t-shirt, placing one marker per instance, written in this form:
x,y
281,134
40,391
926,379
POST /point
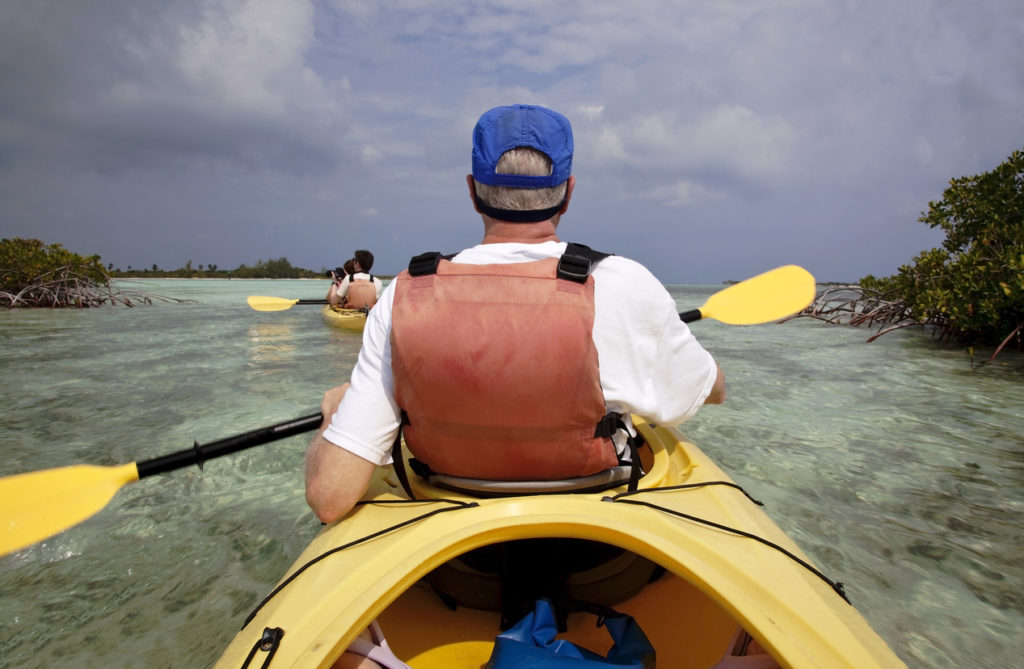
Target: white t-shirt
x,y
650,362
343,286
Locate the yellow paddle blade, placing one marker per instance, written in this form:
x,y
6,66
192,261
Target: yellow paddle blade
x,y
265,303
37,505
766,297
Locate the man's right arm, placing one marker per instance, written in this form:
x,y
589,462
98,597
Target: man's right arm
x,y
651,363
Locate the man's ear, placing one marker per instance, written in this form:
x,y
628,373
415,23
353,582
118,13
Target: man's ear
x,y
472,192
570,184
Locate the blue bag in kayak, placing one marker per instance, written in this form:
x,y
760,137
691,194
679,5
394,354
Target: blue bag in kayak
x,y
531,644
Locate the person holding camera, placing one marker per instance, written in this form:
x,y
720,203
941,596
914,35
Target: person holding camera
x,y
336,275
358,289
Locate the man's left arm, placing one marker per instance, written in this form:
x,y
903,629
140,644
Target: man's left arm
x,y
335,478
717,394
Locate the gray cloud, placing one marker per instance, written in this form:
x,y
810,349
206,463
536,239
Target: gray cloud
x,y
804,131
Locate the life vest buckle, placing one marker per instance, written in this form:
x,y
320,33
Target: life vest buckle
x,y
425,263
609,424
574,268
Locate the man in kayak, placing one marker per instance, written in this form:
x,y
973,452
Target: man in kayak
x,y
357,288
478,379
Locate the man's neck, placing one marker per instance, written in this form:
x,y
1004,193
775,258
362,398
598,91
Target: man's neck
x,y
503,232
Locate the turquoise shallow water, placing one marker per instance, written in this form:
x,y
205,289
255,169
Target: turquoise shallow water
x,y
895,465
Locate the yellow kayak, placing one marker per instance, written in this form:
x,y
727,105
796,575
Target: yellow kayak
x,y
346,319
730,575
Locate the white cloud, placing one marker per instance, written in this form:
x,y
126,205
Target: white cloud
x,y
590,111
681,193
754,145
372,152
228,80
727,137
248,54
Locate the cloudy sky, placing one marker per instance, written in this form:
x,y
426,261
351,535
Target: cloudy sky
x,y
714,138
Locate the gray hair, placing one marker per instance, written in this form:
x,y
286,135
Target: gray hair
x,y
528,162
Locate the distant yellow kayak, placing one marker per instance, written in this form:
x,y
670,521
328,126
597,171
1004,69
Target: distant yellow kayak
x,y
729,572
346,319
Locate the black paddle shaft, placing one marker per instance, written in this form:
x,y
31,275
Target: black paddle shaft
x,y
199,454
691,316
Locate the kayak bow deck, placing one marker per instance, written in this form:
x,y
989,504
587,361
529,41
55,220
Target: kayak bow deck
x,y
373,564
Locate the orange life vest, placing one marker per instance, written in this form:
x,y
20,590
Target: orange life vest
x,y
362,294
496,371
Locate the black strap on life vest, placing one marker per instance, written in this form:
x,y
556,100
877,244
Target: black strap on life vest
x,y
608,426
578,262
426,263
397,461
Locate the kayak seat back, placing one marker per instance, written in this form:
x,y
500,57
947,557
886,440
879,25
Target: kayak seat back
x,y
654,470
603,480
623,474
510,576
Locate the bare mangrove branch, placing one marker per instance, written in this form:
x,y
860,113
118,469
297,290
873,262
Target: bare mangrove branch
x,y
63,287
857,306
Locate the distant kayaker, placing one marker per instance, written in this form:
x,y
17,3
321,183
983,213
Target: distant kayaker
x,y
497,382
358,288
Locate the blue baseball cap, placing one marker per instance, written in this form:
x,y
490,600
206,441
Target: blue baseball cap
x,y
504,128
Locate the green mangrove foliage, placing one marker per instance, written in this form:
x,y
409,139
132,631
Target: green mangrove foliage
x,y
970,289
